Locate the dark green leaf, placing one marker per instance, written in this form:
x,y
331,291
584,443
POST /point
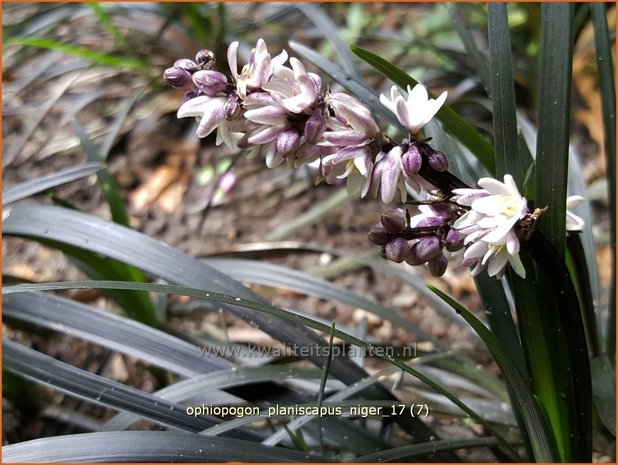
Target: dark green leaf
x,y
92,388
604,389
603,45
148,446
28,188
402,454
554,116
447,116
172,265
224,299
268,274
114,332
563,330
537,428
458,14
508,160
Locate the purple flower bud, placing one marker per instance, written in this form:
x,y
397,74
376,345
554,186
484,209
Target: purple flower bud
x,y
314,127
412,160
210,82
188,65
430,222
437,265
394,220
453,240
205,59
437,160
288,142
397,250
412,257
177,77
379,236
232,108
188,96
428,248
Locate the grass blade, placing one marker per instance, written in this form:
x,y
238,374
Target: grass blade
x,y
554,115
148,446
447,116
100,58
542,442
502,88
28,188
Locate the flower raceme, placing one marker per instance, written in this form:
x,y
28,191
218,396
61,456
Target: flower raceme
x,y
276,109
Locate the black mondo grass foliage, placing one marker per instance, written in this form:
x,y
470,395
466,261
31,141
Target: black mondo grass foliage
x,y
510,210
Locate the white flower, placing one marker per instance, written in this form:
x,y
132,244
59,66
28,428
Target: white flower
x,y
259,69
417,110
489,225
208,109
352,123
294,89
388,176
574,222
495,256
210,112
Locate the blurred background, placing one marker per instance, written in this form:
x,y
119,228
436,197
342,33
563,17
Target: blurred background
x,y
82,75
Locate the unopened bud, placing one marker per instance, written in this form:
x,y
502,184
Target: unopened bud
x,y
397,250
437,265
314,127
188,96
232,108
412,257
188,65
437,160
428,248
430,222
177,77
453,240
205,59
412,160
210,82
394,220
288,142
379,236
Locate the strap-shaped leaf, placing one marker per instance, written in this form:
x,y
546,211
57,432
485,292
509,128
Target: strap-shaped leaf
x,y
85,231
277,312
542,442
93,388
148,446
554,116
35,186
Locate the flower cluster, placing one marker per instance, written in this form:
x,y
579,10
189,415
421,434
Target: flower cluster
x,y
274,108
